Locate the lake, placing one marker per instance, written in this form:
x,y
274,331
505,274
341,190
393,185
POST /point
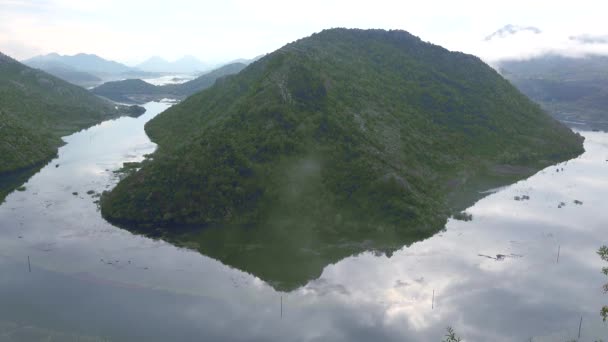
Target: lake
x,y
495,278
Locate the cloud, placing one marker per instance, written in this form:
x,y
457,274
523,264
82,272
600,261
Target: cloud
x,y
509,30
131,31
590,39
524,43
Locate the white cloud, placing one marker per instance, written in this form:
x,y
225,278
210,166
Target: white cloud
x,y
221,30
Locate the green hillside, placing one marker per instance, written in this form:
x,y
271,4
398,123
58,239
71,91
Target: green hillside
x,y
345,141
572,89
36,109
138,91
130,91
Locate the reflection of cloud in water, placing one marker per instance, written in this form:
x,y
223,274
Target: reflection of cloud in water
x,y
322,287
362,298
531,296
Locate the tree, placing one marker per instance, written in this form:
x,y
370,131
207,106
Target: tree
x,y
451,336
603,253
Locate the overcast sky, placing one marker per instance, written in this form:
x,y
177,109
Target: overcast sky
x,y
215,31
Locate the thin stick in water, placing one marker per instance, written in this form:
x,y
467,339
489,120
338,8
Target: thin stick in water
x,y
433,301
558,250
281,307
29,265
580,324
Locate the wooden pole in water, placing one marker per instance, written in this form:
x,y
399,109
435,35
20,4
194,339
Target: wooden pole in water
x,y
579,327
558,249
29,265
433,301
281,307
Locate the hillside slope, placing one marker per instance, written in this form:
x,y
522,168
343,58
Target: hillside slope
x,y
36,109
83,62
341,142
66,73
138,91
571,89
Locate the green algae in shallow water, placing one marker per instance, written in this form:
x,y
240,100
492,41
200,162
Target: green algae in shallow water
x,y
327,148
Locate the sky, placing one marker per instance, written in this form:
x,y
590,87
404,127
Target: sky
x,y
131,31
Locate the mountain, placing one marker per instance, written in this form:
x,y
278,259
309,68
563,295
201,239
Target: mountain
x,y
138,91
66,72
154,63
186,64
81,62
571,89
84,69
246,61
130,91
204,81
36,109
509,30
339,143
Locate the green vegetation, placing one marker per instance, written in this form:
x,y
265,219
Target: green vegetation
x,y
463,216
36,109
451,336
346,141
138,91
81,78
572,89
603,253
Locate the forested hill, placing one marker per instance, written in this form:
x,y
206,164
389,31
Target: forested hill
x,y
36,109
138,91
341,142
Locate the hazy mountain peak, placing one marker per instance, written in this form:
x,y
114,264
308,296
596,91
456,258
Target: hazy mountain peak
x,y
155,59
509,30
185,64
81,62
188,58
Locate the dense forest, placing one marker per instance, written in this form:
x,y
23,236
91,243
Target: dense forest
x,y
344,141
37,109
138,91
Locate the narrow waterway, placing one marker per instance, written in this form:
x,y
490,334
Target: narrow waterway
x,y
496,278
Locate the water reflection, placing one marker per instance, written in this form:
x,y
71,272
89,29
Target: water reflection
x,y
90,278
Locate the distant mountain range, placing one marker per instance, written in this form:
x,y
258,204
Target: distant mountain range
x,y
90,70
37,109
84,69
69,74
246,60
82,61
186,64
138,91
571,89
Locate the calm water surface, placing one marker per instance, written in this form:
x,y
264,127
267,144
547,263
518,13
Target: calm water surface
x,y
170,79
495,278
